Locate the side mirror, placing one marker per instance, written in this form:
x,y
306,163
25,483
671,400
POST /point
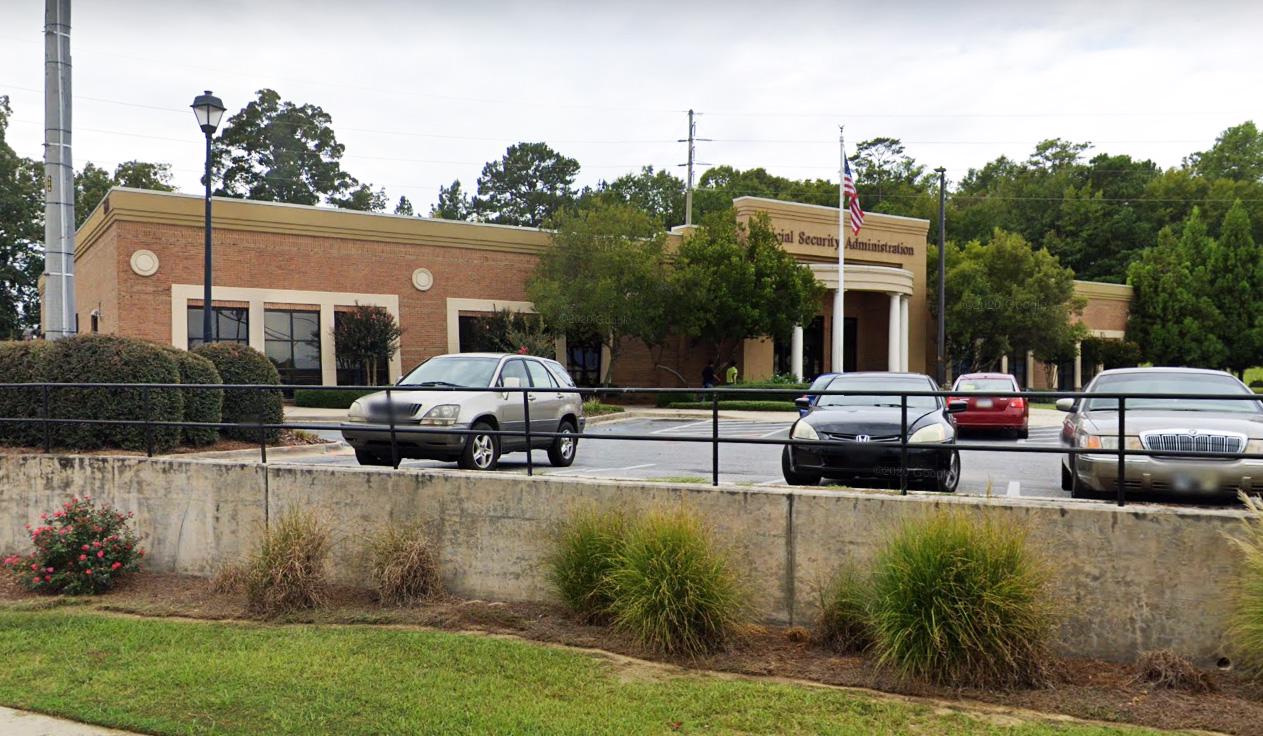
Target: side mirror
x,y
1066,404
956,406
803,402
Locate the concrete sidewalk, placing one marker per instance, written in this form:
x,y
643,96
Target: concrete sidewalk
x,y
22,723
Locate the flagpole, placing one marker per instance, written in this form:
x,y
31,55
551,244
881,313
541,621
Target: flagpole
x,y
839,296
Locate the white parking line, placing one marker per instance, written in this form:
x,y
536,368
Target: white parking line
x,y
575,471
773,433
679,427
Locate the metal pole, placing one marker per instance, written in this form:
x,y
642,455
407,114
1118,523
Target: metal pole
x,y
942,275
207,310
838,354
58,308
526,414
48,426
1122,448
394,445
688,192
714,438
148,415
903,449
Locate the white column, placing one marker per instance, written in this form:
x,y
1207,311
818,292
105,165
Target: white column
x,y
796,353
838,328
892,335
1030,369
1004,363
1078,366
903,331
328,350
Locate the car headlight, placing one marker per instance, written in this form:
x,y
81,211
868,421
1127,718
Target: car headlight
x,y
803,431
1108,442
931,433
1254,447
443,415
356,412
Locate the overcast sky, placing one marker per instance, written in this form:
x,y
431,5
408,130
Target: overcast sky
x,y
422,93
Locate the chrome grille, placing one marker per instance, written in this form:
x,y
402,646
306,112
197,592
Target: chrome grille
x,y
1192,441
850,437
381,411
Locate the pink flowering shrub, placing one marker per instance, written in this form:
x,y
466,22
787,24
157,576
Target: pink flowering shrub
x,y
80,549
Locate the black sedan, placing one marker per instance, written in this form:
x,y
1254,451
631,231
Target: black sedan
x,y
863,434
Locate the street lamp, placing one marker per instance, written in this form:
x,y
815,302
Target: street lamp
x,y
209,110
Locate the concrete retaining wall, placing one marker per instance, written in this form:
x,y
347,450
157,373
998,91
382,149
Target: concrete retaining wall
x,y
1130,579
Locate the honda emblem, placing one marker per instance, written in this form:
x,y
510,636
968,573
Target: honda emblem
x,y
862,438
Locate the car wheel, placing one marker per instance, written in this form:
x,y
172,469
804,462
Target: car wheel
x,y
482,451
1077,487
364,457
1067,481
949,478
795,477
561,453
1023,433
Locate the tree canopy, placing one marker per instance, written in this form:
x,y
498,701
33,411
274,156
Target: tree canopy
x,y
21,234
526,186
94,182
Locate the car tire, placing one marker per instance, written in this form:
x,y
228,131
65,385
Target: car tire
x,y
562,451
1023,433
482,451
1067,480
1077,488
947,480
364,457
795,477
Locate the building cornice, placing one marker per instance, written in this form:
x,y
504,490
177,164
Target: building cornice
x,y
823,215
1102,291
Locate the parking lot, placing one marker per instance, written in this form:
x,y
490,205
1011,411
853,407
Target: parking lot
x,y
982,472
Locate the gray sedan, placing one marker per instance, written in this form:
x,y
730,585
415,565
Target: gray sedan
x,y
1223,428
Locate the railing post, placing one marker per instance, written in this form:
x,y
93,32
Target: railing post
x,y
903,444
48,425
263,439
394,444
148,409
714,437
526,415
1122,449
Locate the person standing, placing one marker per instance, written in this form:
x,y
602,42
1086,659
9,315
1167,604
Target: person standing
x,y
709,379
730,375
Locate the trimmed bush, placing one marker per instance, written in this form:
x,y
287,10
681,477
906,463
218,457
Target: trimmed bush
x,y
80,549
672,589
665,400
404,565
585,548
21,362
595,408
200,404
330,399
844,624
287,571
112,359
241,364
962,602
798,388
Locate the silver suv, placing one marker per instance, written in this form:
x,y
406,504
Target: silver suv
x,y
552,411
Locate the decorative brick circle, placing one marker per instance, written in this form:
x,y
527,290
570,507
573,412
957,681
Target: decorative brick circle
x,y
422,279
144,262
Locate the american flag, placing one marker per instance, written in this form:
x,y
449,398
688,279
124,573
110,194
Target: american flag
x,y
848,187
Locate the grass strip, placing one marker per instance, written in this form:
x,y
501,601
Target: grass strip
x,y
170,677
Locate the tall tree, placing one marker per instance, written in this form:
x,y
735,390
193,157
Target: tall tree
x,y
735,282
361,197
279,151
21,234
1172,316
94,182
658,193
1234,277
603,274
1237,155
404,207
529,184
892,181
453,204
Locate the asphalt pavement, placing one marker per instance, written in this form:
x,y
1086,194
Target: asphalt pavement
x,y
983,472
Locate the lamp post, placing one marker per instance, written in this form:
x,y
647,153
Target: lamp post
x,y
942,275
209,110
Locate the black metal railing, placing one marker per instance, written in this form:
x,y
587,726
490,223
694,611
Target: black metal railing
x,y
395,428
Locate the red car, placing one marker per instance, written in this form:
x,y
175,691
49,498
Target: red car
x,y
991,412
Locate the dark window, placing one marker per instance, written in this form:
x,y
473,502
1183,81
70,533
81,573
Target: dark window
x,y
583,358
515,369
291,339
539,375
96,322
353,372
231,324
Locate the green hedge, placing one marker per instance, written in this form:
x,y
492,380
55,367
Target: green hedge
x,y
112,359
240,364
737,405
200,404
328,399
21,362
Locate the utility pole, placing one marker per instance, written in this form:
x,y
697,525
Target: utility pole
x,y
942,275
58,304
692,141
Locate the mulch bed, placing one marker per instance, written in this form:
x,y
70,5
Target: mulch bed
x,y
1088,689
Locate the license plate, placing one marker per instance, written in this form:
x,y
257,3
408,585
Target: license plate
x,y
983,403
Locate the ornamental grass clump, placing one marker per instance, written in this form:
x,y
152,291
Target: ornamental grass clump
x,y
672,588
585,548
80,549
1246,626
404,565
287,571
961,601
844,624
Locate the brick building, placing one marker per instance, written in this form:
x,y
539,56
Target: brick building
x,y
283,273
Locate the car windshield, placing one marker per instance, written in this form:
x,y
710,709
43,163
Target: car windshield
x,y
453,371
984,384
879,383
1172,383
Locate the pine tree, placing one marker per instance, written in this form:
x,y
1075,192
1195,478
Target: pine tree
x,y
1234,277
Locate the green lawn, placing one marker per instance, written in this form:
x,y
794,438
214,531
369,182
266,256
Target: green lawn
x,y
168,677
